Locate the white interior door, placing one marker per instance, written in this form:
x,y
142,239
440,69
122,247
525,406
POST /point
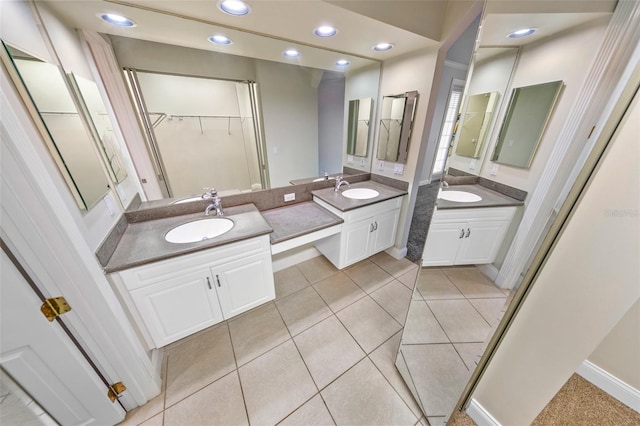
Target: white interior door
x,y
43,360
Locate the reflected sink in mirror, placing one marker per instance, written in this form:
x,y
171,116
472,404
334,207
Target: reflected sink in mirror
x,y
459,196
199,230
360,193
188,200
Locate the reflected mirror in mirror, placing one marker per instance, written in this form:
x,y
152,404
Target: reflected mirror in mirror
x,y
91,103
396,119
475,122
358,130
62,128
527,116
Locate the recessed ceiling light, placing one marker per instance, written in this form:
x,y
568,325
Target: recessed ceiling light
x,y
291,53
325,31
342,63
220,39
381,47
118,20
522,33
234,7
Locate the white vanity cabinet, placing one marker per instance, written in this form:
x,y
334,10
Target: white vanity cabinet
x,y
366,230
173,298
466,236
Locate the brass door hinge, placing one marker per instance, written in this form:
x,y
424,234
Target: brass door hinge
x,y
115,390
54,307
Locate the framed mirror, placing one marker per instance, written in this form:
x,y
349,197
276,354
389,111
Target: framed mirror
x,y
396,119
475,123
47,96
358,128
91,104
528,113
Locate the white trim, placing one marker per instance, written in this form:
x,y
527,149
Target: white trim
x,y
397,253
489,270
616,58
615,387
456,65
294,256
480,415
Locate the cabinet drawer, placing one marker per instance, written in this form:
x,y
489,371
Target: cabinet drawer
x,y
142,276
367,212
480,213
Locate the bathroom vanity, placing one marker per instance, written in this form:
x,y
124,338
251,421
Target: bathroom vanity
x,y
470,231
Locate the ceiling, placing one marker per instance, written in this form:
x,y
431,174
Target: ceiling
x,y
274,26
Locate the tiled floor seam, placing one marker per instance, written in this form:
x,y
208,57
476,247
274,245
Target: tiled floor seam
x,y
417,395
235,360
382,307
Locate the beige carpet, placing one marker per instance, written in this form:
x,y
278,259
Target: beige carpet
x,y
577,403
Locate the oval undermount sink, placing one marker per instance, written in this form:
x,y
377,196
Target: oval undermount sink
x,y
459,196
360,193
199,230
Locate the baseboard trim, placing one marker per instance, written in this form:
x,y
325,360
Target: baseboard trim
x,y
480,415
397,253
615,387
489,270
294,256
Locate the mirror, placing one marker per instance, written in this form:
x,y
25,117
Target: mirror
x,y
358,128
527,115
396,119
93,107
492,71
474,123
42,85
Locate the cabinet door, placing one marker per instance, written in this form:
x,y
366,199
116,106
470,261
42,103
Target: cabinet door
x,y
482,242
244,284
385,234
355,242
443,243
179,306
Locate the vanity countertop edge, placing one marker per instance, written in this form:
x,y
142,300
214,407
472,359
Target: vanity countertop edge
x,y
337,200
299,219
490,198
143,242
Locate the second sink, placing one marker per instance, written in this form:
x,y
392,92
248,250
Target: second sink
x,y
199,230
459,196
360,193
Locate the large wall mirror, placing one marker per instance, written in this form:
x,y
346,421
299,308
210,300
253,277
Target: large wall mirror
x,y
527,115
396,119
358,126
475,122
100,124
72,147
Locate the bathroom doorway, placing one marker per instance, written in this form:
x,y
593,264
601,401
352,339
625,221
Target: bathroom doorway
x,y
201,132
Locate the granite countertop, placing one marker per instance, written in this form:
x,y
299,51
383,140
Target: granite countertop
x,y
298,219
143,242
490,198
341,203
313,179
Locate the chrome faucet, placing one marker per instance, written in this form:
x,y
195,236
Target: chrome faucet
x,y
216,202
339,182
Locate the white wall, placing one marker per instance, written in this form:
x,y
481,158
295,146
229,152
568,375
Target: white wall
x,y
619,352
541,62
585,288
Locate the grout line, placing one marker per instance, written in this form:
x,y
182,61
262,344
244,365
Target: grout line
x,y
237,370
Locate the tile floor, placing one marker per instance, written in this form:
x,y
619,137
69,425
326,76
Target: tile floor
x,y
322,353
454,311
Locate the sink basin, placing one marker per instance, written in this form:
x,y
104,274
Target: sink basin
x,y
360,193
459,196
188,200
199,230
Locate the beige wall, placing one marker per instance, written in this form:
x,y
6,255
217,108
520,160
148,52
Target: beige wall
x,y
619,352
586,286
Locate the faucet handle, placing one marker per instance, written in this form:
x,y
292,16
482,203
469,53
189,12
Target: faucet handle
x,y
209,193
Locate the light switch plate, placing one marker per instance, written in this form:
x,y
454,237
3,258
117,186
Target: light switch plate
x,y
350,159
472,164
276,150
494,170
362,163
381,165
290,197
398,169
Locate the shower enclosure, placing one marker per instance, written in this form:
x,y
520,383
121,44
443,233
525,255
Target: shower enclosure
x,y
201,132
